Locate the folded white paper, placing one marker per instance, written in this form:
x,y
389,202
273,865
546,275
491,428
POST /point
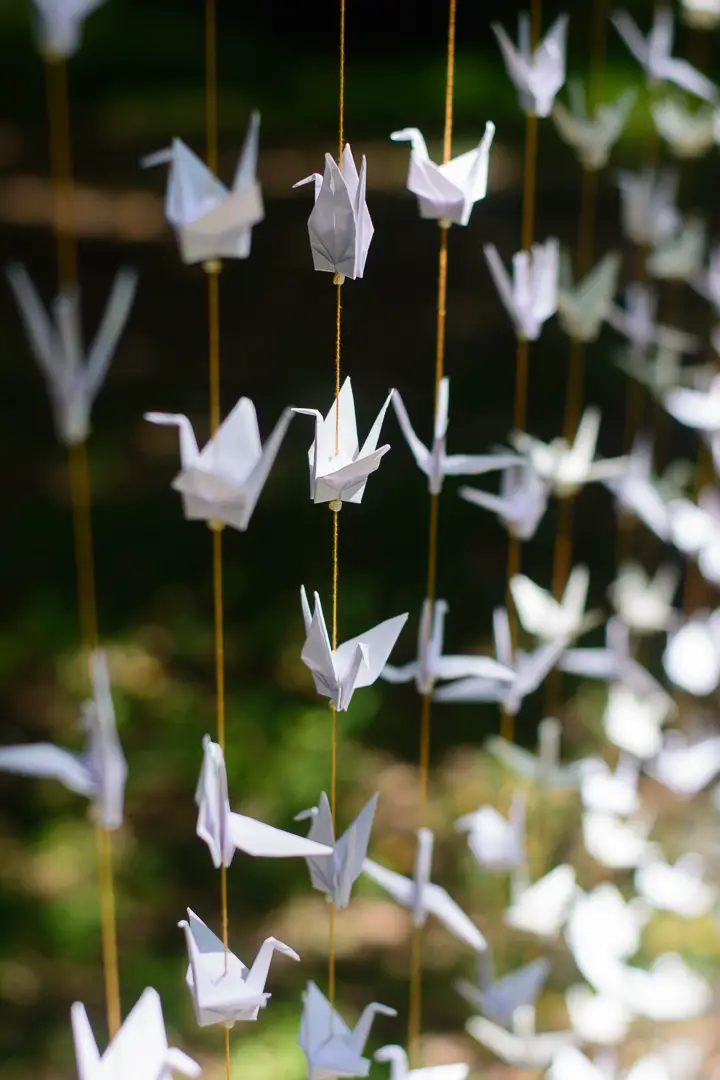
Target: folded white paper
x,y
500,998
543,769
336,874
654,53
633,719
549,619
642,601
680,258
685,765
692,657
60,24
690,134
531,297
637,491
600,1019
678,887
400,1070
331,1047
638,323
592,137
613,791
339,225
614,842
542,907
701,14
521,1046
648,205
613,663
497,842
447,192
537,73
583,307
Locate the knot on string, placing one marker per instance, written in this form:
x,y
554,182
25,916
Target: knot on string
x,y
212,266
444,223
338,279
335,506
214,525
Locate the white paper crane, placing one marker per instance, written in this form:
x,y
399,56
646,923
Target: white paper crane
x,y
633,720
435,462
529,670
100,771
659,371
638,323
224,832
60,24
331,1047
222,988
521,503
542,907
648,205
680,257
336,874
600,1019
423,898
614,842
447,192
337,673
567,467
223,481
695,530
607,790
520,1046
685,765
139,1049
638,492
430,664
549,619
497,842
537,73
544,768
341,472
499,998
592,137
530,298
707,281
679,887
612,663
400,1070
668,990
339,226
688,133
692,657
210,220
583,307
654,53
701,14
603,930
697,409
643,601
73,374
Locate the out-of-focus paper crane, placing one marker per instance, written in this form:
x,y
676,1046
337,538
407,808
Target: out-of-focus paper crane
x,y
607,790
338,673
648,205
447,192
668,990
701,14
692,657
339,226
521,1046
74,375
679,887
592,137
430,664
400,1070
654,53
685,765
567,467
638,323
544,768
343,474
500,998
100,771
603,931
644,602
497,842
423,898
435,462
223,481
614,842
529,670
680,257
688,133
695,530
600,1019
697,409
542,907
612,663
633,720
139,1049
537,73
549,619
210,220
224,832
336,874
332,1048
60,24
583,307
222,988
637,491
522,501
530,299
661,370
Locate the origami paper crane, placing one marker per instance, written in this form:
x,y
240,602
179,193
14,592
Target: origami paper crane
x,y
531,298
698,409
686,765
223,989
430,664
637,322
223,481
224,832
336,874
644,602
701,14
707,281
680,257
600,1019
423,898
60,24
529,670
73,375
338,673
648,205
522,501
567,467
669,990
210,221
677,887
614,842
695,530
339,226
613,663
542,907
689,134
447,192
633,720
500,998
692,657
547,618
341,472
333,1049
603,931
542,769
435,462
100,771
636,490
654,53
583,308
399,1069
139,1049
592,137
497,842
609,791
537,73
662,370
521,1046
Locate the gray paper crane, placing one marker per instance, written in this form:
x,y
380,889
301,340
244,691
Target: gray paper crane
x,y
543,769
336,874
612,663
522,501
60,24
331,1047
499,998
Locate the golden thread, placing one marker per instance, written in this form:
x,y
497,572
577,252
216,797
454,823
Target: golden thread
x,y
449,83
341,91
331,955
415,1007
219,635
338,349
103,843
214,345
528,213
61,170
81,501
211,125
227,1052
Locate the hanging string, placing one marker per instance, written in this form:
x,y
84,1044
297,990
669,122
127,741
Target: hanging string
x,y
61,168
415,1005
